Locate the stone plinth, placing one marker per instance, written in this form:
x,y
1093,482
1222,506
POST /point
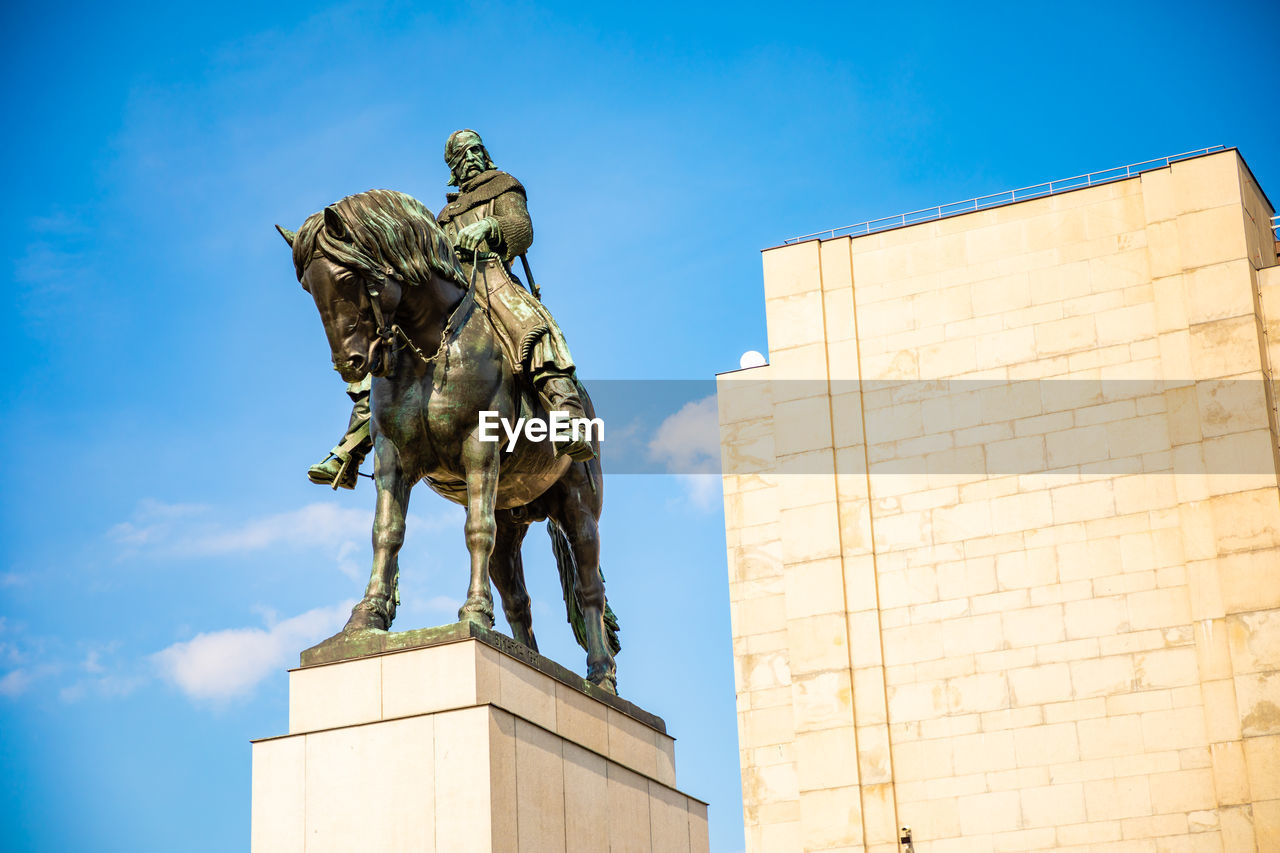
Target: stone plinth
x,y
458,739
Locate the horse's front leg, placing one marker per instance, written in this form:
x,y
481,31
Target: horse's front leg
x,y
480,465
378,607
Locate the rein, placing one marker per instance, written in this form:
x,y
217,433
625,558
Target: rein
x,y
386,333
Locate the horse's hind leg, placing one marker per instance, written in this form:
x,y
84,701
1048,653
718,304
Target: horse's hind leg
x,y
506,567
576,509
480,462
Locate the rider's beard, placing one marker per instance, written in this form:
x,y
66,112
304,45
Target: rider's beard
x,y
472,169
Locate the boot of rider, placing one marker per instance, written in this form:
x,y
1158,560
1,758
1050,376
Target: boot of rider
x,y
341,467
559,392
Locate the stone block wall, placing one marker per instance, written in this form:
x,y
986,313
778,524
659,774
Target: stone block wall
x,y
1004,528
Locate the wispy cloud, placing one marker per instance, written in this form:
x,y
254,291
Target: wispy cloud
x,y
414,608
60,222
185,530
687,443
347,562
44,662
221,665
15,682
193,531
211,667
16,656
106,685
102,674
18,680
93,662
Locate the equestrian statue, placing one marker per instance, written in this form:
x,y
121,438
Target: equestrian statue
x,y
430,327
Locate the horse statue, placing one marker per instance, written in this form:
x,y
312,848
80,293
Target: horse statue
x,y
395,304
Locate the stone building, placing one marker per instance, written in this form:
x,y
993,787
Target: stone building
x,y
1004,528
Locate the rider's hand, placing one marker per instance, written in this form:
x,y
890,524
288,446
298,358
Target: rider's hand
x,y
474,236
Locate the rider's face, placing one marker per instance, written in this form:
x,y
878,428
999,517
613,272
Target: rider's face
x,y
472,162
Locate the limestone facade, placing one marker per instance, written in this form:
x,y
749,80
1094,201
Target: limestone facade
x,y
1003,527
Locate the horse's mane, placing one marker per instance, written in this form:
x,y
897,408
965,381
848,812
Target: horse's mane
x,y
379,233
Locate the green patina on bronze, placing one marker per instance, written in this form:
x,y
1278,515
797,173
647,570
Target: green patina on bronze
x,y
489,215
445,335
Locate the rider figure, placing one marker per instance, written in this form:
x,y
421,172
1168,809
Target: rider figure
x,y
488,214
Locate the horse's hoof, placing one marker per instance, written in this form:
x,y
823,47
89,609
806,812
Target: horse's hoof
x,y
477,614
605,678
368,615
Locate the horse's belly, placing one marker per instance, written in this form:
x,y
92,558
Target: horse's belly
x,y
520,489
523,477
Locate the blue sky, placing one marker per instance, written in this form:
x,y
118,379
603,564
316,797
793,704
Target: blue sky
x,y
165,557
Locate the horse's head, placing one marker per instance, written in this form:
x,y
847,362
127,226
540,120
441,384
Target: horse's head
x,y
357,312
358,258
357,316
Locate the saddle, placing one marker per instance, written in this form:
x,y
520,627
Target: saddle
x,y
515,352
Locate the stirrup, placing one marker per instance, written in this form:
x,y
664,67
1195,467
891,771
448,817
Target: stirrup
x,y
352,449
344,478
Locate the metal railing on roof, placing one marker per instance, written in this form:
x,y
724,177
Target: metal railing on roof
x,y
955,208
1275,225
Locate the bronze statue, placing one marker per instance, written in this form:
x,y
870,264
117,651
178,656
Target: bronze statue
x,y
488,214
398,305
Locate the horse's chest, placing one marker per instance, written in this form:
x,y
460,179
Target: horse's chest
x,y
424,425
404,417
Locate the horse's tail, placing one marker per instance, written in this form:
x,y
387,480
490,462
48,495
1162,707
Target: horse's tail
x,y
569,584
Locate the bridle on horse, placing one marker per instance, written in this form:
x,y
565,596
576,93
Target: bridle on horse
x,y
387,332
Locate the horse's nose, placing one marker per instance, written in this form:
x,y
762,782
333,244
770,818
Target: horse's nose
x,y
354,363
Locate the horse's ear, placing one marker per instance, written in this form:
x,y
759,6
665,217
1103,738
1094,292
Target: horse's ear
x,y
287,235
333,222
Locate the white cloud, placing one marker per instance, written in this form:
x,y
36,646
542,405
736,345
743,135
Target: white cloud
x,y
13,683
688,444
178,530
25,657
73,692
441,602
703,490
221,665
93,662
107,685
347,564
430,608
192,531
103,675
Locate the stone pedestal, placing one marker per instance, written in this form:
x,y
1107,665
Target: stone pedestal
x,y
458,739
